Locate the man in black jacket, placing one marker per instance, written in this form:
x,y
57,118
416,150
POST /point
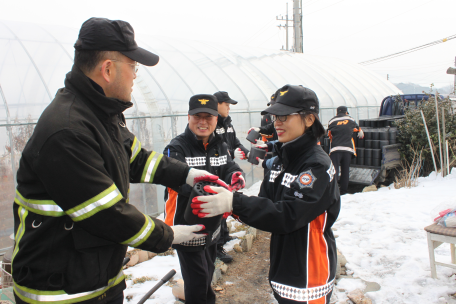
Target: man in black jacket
x,y
340,132
72,219
225,127
200,148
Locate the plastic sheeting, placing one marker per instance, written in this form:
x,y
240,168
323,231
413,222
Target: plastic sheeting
x,y
35,58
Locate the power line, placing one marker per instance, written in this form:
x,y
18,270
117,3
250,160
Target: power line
x,y
258,32
364,29
395,67
383,58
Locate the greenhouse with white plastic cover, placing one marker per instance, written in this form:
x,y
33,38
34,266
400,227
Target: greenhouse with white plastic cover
x,y
35,58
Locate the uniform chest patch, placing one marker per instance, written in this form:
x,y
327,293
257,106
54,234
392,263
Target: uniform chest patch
x,y
306,179
331,171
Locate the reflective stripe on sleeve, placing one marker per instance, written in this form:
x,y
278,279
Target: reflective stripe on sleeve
x,y
135,148
142,235
151,167
19,233
128,197
34,296
43,207
102,201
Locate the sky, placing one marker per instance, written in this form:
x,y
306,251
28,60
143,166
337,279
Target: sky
x,y
354,30
381,234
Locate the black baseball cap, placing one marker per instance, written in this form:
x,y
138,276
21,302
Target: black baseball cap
x,y
203,103
222,96
101,34
292,99
273,98
342,109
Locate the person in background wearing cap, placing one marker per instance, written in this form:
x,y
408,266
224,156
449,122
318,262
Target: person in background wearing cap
x,y
226,129
267,126
201,148
72,218
298,203
340,132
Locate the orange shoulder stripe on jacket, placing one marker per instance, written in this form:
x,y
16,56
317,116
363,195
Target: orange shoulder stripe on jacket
x,y
317,258
354,147
170,207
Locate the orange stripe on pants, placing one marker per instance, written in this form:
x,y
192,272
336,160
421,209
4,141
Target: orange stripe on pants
x,y
318,263
170,207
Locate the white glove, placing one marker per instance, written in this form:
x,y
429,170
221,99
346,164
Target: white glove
x,y
360,134
253,128
238,153
260,162
261,145
184,233
212,205
194,176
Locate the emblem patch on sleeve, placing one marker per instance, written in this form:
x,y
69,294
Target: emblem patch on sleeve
x,y
306,179
331,171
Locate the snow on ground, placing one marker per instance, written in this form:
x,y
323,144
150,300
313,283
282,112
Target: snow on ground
x,y
381,235
159,266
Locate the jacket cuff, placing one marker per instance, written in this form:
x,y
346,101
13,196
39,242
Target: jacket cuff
x,y
184,179
237,202
270,146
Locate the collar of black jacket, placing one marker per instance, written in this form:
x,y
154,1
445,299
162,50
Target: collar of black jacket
x,y
295,149
223,121
77,80
213,139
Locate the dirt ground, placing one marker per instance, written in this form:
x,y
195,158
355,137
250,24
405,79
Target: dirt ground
x,y
247,276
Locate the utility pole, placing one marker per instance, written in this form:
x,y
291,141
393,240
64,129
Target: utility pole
x,y
285,26
454,86
297,46
297,26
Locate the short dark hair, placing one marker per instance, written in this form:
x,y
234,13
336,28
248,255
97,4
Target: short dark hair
x,y
87,60
316,129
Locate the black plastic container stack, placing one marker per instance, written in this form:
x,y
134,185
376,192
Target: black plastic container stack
x,y
368,143
368,157
360,161
361,142
376,157
392,135
383,143
375,144
383,134
375,134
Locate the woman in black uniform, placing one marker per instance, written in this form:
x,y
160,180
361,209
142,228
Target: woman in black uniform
x,y
298,203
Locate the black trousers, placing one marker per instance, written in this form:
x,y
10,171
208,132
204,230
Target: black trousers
x,y
288,301
224,233
197,271
342,159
